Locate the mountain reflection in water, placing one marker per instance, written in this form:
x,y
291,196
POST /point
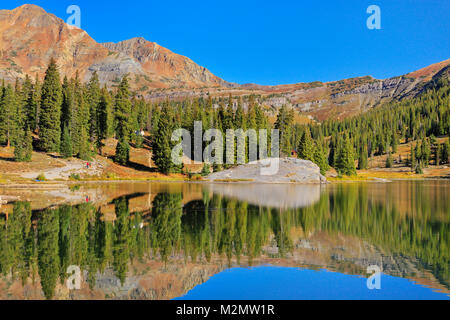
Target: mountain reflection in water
x,y
159,241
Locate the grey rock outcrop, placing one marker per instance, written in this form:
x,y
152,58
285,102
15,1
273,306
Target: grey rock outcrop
x,y
290,170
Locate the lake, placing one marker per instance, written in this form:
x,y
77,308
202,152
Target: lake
x,y
162,241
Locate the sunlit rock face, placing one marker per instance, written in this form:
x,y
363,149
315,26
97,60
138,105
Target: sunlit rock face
x,y
274,170
30,37
281,196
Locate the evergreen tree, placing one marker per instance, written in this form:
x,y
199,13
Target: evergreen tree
x,y
284,123
68,102
306,146
123,113
413,161
84,152
445,152
122,151
345,163
48,234
123,110
24,146
389,161
8,114
66,144
50,115
93,101
320,158
106,115
363,160
162,144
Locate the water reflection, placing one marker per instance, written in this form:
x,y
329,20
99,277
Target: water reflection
x,y
159,245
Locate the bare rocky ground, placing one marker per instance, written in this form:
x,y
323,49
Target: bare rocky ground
x,y
70,167
286,170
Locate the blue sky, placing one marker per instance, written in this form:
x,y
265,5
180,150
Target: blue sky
x,y
276,42
276,283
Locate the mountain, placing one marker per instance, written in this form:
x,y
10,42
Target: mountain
x,y
30,37
165,66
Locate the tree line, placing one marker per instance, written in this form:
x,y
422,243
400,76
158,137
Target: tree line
x,y
74,119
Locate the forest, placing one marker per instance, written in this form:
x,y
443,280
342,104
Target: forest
x,y
73,119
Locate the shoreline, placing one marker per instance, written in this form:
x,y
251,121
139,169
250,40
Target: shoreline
x,y
61,184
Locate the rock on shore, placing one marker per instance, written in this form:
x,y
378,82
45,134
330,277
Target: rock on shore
x,y
290,170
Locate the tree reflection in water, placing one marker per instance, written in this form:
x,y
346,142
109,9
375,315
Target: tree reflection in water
x,y
45,243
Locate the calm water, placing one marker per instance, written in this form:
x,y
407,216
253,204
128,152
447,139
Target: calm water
x,y
198,241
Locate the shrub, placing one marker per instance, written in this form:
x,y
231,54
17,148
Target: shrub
x,y
75,176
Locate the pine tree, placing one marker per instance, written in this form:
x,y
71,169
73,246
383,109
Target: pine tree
x,y
66,144
413,161
363,160
50,115
284,123
345,163
123,110
445,152
437,154
93,101
306,146
33,105
123,114
85,148
24,146
162,144
320,158
105,118
389,161
394,142
122,151
8,113
68,102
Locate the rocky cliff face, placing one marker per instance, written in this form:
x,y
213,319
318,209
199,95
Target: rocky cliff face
x,y
165,66
30,37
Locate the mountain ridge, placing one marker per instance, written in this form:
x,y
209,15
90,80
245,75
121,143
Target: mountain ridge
x,y
30,37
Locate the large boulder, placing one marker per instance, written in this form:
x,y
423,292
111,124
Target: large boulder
x,y
290,170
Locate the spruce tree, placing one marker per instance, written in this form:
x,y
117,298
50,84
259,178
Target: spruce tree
x,y
389,161
363,160
445,152
306,146
66,144
93,101
123,114
85,148
345,163
24,146
33,105
320,158
8,114
105,118
50,115
122,151
162,144
123,110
